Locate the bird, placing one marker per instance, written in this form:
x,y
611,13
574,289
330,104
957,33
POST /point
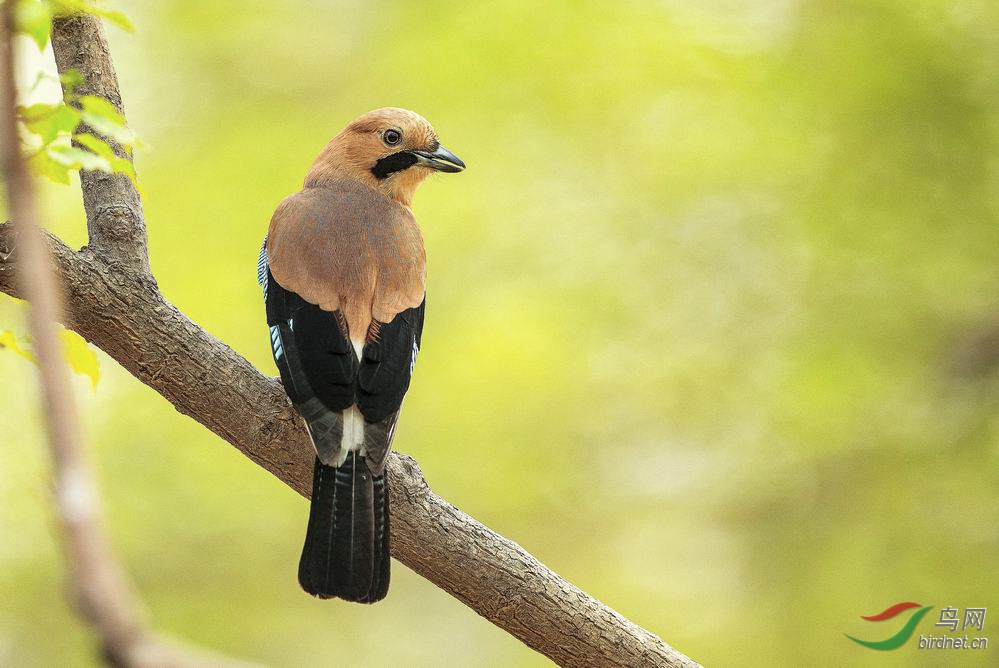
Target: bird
x,y
343,271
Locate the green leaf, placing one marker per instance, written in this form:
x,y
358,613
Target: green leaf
x,y
103,117
76,158
114,16
81,359
70,79
35,111
79,356
95,144
8,341
118,164
63,7
101,107
33,19
49,120
41,164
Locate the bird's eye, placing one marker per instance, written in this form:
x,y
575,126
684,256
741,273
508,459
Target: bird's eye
x,y
392,137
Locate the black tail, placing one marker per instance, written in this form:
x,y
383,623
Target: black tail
x,y
346,553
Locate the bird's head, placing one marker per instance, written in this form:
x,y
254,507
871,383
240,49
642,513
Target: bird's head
x,y
390,149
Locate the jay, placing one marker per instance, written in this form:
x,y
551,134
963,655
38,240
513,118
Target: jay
x,y
343,269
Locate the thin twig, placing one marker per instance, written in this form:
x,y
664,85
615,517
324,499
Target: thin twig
x,y
103,592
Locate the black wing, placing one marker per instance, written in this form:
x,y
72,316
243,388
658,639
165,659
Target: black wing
x,y
387,364
322,375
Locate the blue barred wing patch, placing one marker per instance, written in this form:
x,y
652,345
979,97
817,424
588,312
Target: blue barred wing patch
x,y
262,267
277,345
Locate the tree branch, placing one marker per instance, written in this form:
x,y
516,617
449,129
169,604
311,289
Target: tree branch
x,y
114,303
115,221
122,313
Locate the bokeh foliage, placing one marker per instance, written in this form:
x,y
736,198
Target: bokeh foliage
x,y
713,327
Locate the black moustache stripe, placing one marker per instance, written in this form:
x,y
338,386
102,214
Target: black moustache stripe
x,y
391,164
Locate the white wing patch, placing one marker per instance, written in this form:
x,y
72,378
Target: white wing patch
x,y
353,432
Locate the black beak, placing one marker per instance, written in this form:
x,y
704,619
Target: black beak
x,y
442,160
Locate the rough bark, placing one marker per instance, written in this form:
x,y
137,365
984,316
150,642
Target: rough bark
x,y
115,223
113,301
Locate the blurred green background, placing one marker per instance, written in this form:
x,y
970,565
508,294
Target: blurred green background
x,y
713,322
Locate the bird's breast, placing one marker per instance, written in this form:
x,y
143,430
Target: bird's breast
x,y
351,251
